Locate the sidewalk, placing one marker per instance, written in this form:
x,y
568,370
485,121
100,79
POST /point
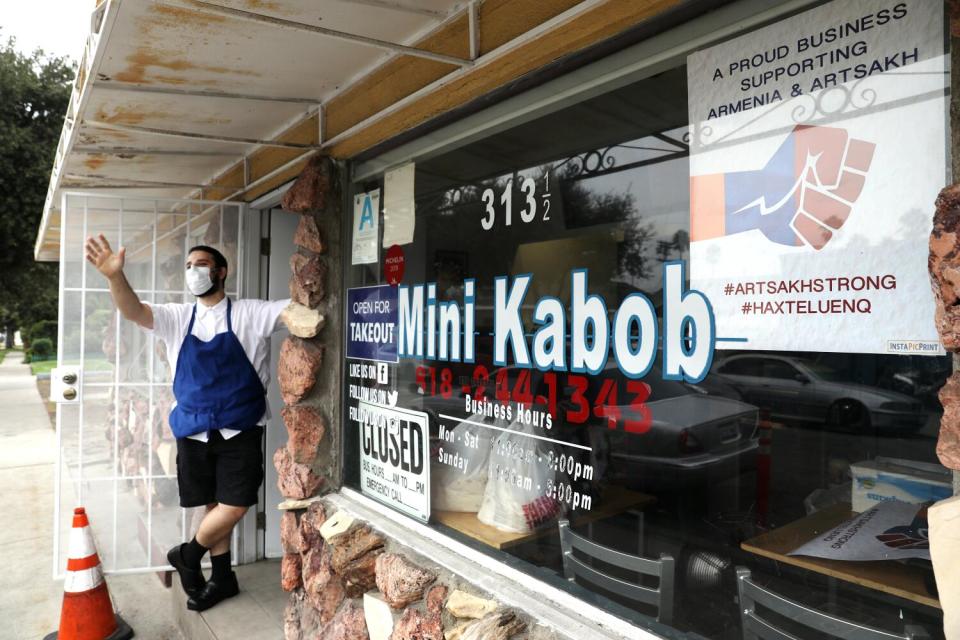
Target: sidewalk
x,y
30,600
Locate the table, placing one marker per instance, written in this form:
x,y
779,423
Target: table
x,y
895,578
613,502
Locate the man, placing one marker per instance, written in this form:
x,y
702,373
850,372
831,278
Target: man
x,y
220,354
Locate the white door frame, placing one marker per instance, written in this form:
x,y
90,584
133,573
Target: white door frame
x,y
114,478
260,214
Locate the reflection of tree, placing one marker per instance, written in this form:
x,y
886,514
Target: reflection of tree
x,y
586,208
634,260
678,245
582,207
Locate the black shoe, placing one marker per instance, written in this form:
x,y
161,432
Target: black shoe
x,y
214,592
192,580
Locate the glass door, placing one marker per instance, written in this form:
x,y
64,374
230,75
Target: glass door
x,y
116,453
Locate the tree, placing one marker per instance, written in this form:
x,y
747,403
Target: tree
x,y
34,94
584,207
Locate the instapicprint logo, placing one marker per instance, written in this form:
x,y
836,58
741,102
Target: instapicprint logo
x,y
803,194
914,346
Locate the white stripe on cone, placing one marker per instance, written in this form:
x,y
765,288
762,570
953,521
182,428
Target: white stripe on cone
x,y
83,580
81,546
81,543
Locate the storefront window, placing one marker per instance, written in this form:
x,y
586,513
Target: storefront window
x,y
585,208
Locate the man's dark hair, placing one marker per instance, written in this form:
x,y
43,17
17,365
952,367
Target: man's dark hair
x,y
218,259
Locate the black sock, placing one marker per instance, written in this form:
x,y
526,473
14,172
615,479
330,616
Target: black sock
x,y
221,566
192,552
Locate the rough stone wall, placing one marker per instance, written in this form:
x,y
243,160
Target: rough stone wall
x,y
954,9
944,263
309,365
347,581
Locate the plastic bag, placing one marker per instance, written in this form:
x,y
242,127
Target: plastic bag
x,y
519,477
458,471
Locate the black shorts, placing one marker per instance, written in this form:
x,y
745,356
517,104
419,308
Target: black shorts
x,y
225,471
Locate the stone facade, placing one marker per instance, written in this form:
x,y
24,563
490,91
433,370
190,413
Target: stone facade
x,y
316,189
305,430
308,279
360,584
297,370
944,266
308,463
295,480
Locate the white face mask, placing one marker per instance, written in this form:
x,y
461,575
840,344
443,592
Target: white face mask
x,y
198,280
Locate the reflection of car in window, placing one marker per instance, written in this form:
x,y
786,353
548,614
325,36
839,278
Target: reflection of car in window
x,y
696,433
917,376
800,390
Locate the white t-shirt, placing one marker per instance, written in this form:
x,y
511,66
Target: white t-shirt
x,y
253,321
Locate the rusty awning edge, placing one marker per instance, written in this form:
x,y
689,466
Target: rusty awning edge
x,y
193,120
104,44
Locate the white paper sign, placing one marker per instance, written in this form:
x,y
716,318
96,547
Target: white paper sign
x,y
366,227
399,209
817,151
892,530
395,457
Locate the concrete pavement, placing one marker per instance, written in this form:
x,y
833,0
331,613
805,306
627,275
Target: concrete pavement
x,y
29,599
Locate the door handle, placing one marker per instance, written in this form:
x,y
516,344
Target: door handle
x,y
70,378
69,394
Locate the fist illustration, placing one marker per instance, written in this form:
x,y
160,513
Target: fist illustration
x,y
805,192
912,536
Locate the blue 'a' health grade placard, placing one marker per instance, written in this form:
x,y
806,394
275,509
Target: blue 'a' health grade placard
x,y
372,321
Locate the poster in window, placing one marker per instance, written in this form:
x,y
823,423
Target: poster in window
x,y
817,149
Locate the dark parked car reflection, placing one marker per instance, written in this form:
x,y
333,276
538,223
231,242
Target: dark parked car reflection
x,y
804,391
697,433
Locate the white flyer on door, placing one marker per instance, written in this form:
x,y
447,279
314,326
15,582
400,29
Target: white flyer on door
x,y
366,227
399,206
817,150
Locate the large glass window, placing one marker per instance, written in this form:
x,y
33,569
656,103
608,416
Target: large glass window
x,y
769,450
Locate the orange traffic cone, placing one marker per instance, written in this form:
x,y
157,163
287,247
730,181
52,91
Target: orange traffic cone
x,y
87,613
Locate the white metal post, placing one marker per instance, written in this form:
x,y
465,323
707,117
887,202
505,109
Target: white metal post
x,y
117,467
59,463
83,355
474,22
151,340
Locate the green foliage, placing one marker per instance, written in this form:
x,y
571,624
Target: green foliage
x,y
41,349
42,329
34,93
43,366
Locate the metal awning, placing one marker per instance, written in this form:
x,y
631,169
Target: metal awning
x,y
171,93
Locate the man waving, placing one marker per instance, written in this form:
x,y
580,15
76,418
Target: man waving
x,y
219,351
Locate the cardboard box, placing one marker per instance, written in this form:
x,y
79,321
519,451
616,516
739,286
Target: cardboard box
x,y
910,481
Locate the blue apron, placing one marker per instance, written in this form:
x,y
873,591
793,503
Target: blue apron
x,y
215,385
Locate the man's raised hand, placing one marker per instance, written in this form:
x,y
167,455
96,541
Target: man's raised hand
x,y
110,264
100,255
